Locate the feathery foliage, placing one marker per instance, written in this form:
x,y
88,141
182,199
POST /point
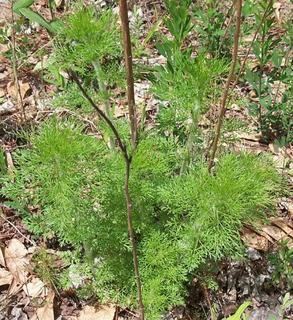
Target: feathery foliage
x,y
181,221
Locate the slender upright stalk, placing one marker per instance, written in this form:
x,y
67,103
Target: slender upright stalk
x,y
134,140
129,70
238,5
127,159
14,65
132,238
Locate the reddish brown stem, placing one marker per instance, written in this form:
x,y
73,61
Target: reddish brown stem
x,y
129,70
132,239
134,140
127,159
102,114
227,86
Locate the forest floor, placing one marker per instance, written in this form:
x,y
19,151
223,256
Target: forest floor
x,y
23,295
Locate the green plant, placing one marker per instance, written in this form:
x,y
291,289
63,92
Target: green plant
x,y
186,220
214,39
88,44
282,261
44,266
184,83
273,115
179,19
23,7
287,303
239,314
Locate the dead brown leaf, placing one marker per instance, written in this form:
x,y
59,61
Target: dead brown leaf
x,y
12,91
254,240
35,288
46,312
275,233
101,313
16,261
5,277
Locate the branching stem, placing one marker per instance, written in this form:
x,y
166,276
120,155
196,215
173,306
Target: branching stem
x,y
238,5
129,70
102,114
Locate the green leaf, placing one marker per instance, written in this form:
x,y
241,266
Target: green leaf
x,y
240,311
21,4
35,17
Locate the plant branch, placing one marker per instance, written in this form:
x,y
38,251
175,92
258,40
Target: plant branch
x,y
127,159
132,239
134,141
101,113
129,70
227,86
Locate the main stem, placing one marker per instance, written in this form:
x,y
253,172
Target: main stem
x,y
134,140
227,86
129,70
127,160
132,238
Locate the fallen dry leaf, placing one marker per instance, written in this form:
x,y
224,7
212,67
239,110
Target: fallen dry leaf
x,y
101,313
254,240
16,261
5,277
46,312
35,288
13,92
279,222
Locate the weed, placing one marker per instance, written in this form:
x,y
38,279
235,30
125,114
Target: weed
x,y
184,221
44,267
214,39
282,263
273,116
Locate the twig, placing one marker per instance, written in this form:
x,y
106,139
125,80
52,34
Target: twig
x,y
227,86
15,227
101,114
14,64
129,70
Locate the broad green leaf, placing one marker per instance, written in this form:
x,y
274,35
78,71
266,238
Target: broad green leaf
x,y
21,4
35,17
240,311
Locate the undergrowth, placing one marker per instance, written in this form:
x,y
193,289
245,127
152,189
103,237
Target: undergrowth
x,y
182,221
